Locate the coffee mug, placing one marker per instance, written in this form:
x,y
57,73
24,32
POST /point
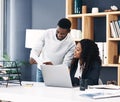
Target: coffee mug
x,y
95,10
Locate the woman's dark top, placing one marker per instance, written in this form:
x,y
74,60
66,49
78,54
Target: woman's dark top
x,y
92,74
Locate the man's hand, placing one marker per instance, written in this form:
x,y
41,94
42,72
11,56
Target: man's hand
x,y
32,61
48,63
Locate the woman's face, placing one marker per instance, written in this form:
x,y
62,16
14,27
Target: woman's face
x,y
77,51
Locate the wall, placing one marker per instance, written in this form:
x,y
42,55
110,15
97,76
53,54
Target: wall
x,y
46,13
18,13
101,4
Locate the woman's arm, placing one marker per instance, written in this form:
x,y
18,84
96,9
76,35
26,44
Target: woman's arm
x,y
93,74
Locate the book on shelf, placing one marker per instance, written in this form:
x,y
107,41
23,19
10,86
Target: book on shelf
x,y
77,6
101,50
117,27
119,23
114,26
105,53
102,46
114,33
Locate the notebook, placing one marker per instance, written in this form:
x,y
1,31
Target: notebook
x,y
56,76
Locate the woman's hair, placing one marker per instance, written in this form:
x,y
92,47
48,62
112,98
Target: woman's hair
x,y
90,52
89,55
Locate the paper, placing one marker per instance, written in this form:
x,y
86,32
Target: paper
x,y
115,87
100,93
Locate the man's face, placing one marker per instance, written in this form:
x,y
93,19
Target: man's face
x,y
61,33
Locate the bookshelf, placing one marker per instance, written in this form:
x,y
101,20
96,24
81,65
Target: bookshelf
x,y
87,23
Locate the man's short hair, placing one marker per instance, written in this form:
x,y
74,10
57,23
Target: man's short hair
x,y
64,23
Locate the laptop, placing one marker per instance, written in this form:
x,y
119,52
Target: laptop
x,y
56,76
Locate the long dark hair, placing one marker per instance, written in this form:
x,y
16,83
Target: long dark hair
x,y
90,53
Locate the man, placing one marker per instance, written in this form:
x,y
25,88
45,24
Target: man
x,y
55,47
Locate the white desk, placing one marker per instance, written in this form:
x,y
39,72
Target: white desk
x,y
41,93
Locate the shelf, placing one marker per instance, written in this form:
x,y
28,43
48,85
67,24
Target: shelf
x,y
111,65
88,14
114,39
101,14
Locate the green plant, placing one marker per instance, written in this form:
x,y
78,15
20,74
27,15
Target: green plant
x,y
6,57
21,63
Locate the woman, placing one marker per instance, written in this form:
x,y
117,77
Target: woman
x,y
86,63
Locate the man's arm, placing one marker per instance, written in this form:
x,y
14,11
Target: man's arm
x,y
69,55
36,51
34,56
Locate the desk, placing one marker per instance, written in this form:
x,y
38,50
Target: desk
x,y
41,93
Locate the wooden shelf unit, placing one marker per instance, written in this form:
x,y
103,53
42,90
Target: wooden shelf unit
x,y
88,31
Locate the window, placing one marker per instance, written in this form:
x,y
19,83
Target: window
x,y
1,26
